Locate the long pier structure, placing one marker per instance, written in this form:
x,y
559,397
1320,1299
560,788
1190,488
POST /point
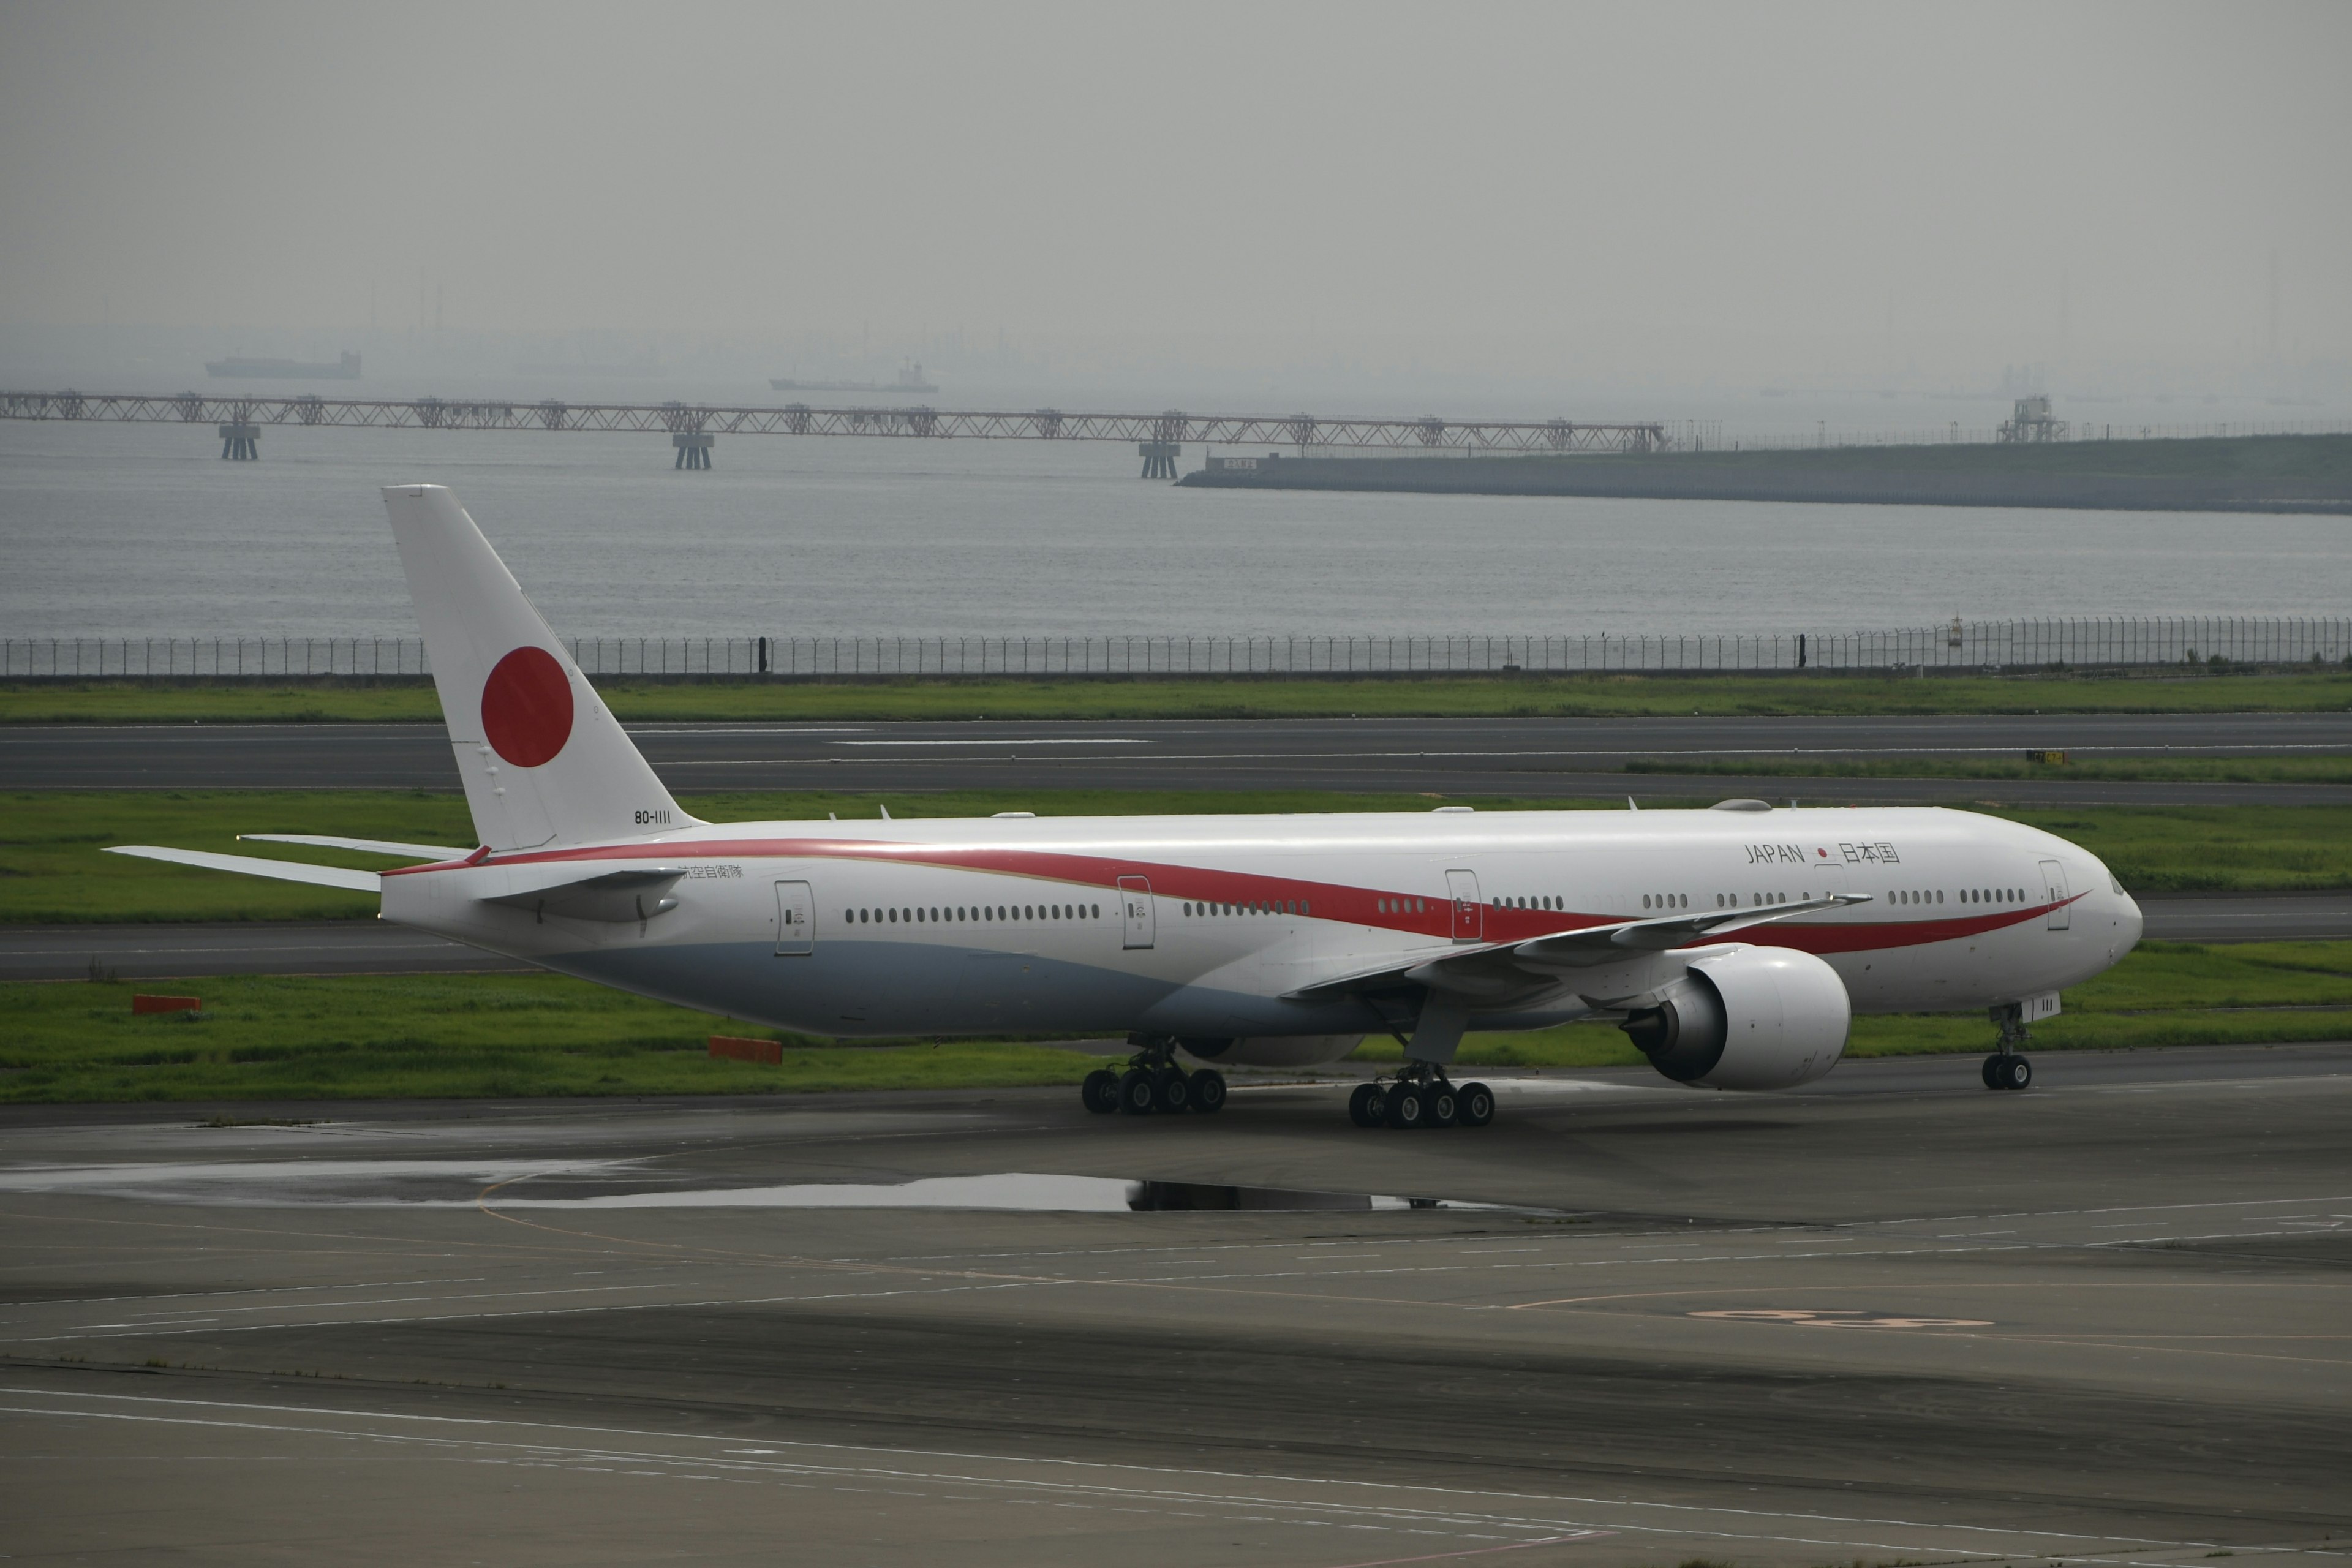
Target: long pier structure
x,y
241,417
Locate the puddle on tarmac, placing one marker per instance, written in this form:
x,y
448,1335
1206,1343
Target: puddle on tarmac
x,y
623,1185
1008,1190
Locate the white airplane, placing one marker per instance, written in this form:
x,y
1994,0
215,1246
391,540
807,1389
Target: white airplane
x,y
1733,945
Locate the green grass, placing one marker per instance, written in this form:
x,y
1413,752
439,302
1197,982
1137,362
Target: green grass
x,y
1199,697
425,1037
2208,848
2163,994
51,870
262,1039
2184,770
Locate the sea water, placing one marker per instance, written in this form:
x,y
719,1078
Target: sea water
x,y
143,531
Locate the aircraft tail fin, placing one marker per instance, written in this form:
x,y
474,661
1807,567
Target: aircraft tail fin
x,y
543,760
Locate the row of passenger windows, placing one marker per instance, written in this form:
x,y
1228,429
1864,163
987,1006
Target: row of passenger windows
x,y
967,913
1966,895
1256,907
992,913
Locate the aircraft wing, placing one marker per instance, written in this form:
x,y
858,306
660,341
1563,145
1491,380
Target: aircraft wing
x,y
253,865
1494,970
373,846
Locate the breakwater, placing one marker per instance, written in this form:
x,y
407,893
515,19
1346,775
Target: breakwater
x,y
2254,473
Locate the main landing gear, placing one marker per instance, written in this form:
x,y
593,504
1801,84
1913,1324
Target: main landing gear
x,y
1153,1084
1420,1095
2007,1067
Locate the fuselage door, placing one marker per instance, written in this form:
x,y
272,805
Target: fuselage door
x,y
1134,908
1469,913
2053,888
796,920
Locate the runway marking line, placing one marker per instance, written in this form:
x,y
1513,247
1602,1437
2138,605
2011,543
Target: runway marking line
x,y
900,1456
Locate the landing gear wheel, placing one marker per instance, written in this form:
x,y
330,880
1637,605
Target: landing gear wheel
x,y
1991,1066
1172,1092
1474,1103
1444,1107
2014,1072
1101,1091
1208,1091
1367,1106
1137,1095
1406,1107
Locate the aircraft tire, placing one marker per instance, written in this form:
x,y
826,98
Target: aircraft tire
x,y
1101,1091
1406,1107
1475,1104
2015,1072
1172,1092
1208,1091
1445,1106
1137,1095
1365,1105
1992,1065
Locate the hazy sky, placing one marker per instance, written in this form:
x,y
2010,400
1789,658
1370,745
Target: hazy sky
x,y
1727,187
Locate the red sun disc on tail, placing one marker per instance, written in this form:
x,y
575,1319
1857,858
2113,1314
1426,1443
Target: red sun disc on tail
x,y
527,707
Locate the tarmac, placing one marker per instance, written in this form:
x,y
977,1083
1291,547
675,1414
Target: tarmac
x,y
1893,1317
1536,758
193,949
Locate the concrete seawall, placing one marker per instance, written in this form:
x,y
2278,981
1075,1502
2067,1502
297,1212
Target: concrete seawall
x,y
2288,473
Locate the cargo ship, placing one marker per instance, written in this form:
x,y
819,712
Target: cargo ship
x,y
345,369
911,379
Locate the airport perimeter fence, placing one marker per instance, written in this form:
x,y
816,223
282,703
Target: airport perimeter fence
x,y
2116,643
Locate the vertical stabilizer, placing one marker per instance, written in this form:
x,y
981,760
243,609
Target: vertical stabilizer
x,y
542,759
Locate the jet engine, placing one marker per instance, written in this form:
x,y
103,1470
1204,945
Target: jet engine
x,y
1746,1018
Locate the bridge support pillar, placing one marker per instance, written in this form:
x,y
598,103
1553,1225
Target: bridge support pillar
x,y
240,443
693,451
1159,458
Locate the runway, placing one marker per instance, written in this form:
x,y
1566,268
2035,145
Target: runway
x,y
237,947
1543,758
1894,1316
371,947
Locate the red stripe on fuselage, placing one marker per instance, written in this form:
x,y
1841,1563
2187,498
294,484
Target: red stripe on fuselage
x,y
1325,900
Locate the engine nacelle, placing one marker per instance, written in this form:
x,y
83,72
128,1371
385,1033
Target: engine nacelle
x,y
1746,1019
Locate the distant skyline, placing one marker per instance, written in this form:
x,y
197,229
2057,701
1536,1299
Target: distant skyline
x,y
1692,196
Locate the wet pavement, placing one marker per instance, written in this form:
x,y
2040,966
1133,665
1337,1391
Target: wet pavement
x,y
1891,1316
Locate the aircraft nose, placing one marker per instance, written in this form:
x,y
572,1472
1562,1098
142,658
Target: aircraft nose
x,y
2129,922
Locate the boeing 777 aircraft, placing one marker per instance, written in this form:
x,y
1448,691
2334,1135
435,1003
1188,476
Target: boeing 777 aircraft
x,y
1733,945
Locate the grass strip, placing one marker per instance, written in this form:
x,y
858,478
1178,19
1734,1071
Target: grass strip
x,y
1616,695
52,870
261,1038
2334,770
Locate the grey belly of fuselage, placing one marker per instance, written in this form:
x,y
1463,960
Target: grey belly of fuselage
x,y
851,987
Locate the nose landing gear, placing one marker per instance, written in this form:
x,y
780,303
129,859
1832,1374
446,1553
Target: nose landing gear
x,y
1153,1084
1420,1095
2007,1067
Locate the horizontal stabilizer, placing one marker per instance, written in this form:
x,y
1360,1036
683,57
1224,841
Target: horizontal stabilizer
x,y
253,866
615,896
371,845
